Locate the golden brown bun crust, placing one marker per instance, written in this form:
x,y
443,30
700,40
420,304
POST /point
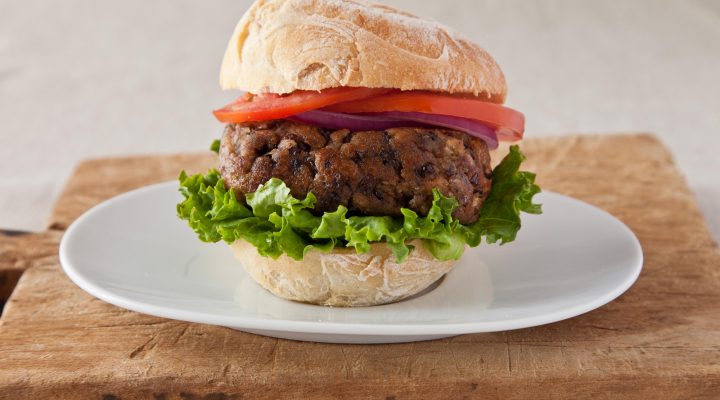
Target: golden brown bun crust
x,y
284,45
342,277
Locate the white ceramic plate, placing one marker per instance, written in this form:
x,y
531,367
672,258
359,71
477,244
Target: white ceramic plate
x,y
133,252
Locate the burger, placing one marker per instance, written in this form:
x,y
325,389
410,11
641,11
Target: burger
x,y
354,167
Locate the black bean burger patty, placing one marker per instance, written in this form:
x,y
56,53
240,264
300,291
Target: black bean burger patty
x,y
371,173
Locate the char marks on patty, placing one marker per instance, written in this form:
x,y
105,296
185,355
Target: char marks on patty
x,y
369,172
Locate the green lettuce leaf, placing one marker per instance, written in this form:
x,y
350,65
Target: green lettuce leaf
x,y
512,192
215,146
277,223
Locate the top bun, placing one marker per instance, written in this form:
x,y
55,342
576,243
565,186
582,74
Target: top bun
x,y
280,46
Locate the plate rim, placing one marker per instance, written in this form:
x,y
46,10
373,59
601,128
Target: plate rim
x,y
337,328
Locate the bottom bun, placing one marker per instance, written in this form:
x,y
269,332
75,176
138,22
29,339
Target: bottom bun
x,y
342,277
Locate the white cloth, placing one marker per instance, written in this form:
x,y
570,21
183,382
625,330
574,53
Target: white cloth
x,y
83,79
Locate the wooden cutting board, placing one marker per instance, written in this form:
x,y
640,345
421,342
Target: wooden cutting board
x,y
659,340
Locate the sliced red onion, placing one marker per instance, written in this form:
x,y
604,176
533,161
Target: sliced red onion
x,y
466,125
354,122
397,119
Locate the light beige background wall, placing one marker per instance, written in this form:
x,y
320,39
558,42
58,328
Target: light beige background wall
x,y
92,78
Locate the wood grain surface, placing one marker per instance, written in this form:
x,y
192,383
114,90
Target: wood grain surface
x,y
19,251
659,340
100,179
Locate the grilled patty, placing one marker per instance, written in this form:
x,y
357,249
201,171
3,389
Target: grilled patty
x,y
370,173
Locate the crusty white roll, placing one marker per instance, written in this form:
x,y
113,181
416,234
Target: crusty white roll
x,y
342,277
284,45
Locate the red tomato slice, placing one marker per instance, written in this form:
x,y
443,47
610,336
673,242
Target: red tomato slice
x,y
271,106
510,124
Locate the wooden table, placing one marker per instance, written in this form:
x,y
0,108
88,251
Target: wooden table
x,y
659,340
